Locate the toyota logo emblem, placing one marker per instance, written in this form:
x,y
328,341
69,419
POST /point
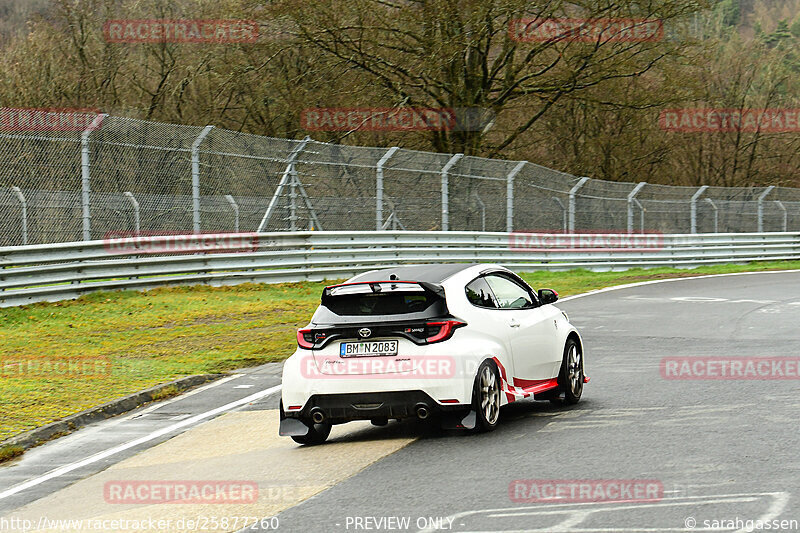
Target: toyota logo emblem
x,y
365,332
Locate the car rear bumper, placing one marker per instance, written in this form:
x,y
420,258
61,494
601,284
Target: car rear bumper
x,y
340,408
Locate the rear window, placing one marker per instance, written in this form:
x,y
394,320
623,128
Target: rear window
x,y
379,299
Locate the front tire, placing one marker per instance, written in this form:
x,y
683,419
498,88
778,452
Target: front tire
x,y
486,397
571,376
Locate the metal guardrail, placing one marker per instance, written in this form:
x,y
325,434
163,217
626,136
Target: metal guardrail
x,y
52,272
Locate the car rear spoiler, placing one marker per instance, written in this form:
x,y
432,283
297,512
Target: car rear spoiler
x,y
433,288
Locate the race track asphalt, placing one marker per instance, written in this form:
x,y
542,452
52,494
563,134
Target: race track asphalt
x,y
723,450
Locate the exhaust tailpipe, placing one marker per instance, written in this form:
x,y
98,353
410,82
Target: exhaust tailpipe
x,y
317,416
422,411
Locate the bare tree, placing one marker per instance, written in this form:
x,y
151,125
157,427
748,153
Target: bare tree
x,y
467,54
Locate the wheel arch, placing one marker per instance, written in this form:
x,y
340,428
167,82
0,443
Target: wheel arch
x,y
576,337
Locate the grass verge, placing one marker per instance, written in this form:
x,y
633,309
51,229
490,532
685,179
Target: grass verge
x,y
9,452
128,341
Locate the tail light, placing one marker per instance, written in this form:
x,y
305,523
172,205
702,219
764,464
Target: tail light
x,y
305,338
309,338
441,331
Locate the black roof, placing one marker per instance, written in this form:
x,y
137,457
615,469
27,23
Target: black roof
x,y
427,273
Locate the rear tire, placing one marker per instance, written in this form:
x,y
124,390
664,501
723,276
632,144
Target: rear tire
x,y
486,397
571,376
317,434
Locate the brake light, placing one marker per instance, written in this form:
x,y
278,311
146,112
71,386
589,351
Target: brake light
x,y
440,331
305,339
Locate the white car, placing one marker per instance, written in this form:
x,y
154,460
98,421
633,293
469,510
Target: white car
x,y
447,342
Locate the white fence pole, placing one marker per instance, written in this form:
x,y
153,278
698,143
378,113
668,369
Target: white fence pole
x,y
446,192
288,174
510,195
785,214
196,178
696,195
135,204
86,187
572,192
631,198
557,200
379,186
761,207
235,208
24,204
710,202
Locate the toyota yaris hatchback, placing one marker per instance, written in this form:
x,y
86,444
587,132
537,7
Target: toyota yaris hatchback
x,y
447,342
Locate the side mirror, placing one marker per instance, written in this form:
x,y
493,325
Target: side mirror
x,y
547,296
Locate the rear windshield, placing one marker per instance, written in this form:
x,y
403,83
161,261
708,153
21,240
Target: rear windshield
x,y
380,299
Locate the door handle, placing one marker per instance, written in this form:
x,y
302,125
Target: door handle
x,y
513,323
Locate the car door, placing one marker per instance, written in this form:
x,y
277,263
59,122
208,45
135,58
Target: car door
x,y
486,317
531,328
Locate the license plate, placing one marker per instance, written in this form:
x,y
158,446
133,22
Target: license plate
x,y
368,348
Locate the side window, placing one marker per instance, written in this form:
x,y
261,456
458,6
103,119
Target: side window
x,y
479,294
509,294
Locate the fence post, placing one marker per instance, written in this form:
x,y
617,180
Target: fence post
x,y
641,214
483,210
572,193
86,186
379,187
696,195
288,174
557,200
293,199
132,199
235,208
785,214
761,207
446,192
631,198
510,195
24,204
196,178
716,214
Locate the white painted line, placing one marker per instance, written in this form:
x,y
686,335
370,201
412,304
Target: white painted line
x,y
654,281
779,501
619,507
60,471
243,386
161,404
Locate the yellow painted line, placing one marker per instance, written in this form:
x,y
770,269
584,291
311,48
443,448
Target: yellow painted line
x,y
239,446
